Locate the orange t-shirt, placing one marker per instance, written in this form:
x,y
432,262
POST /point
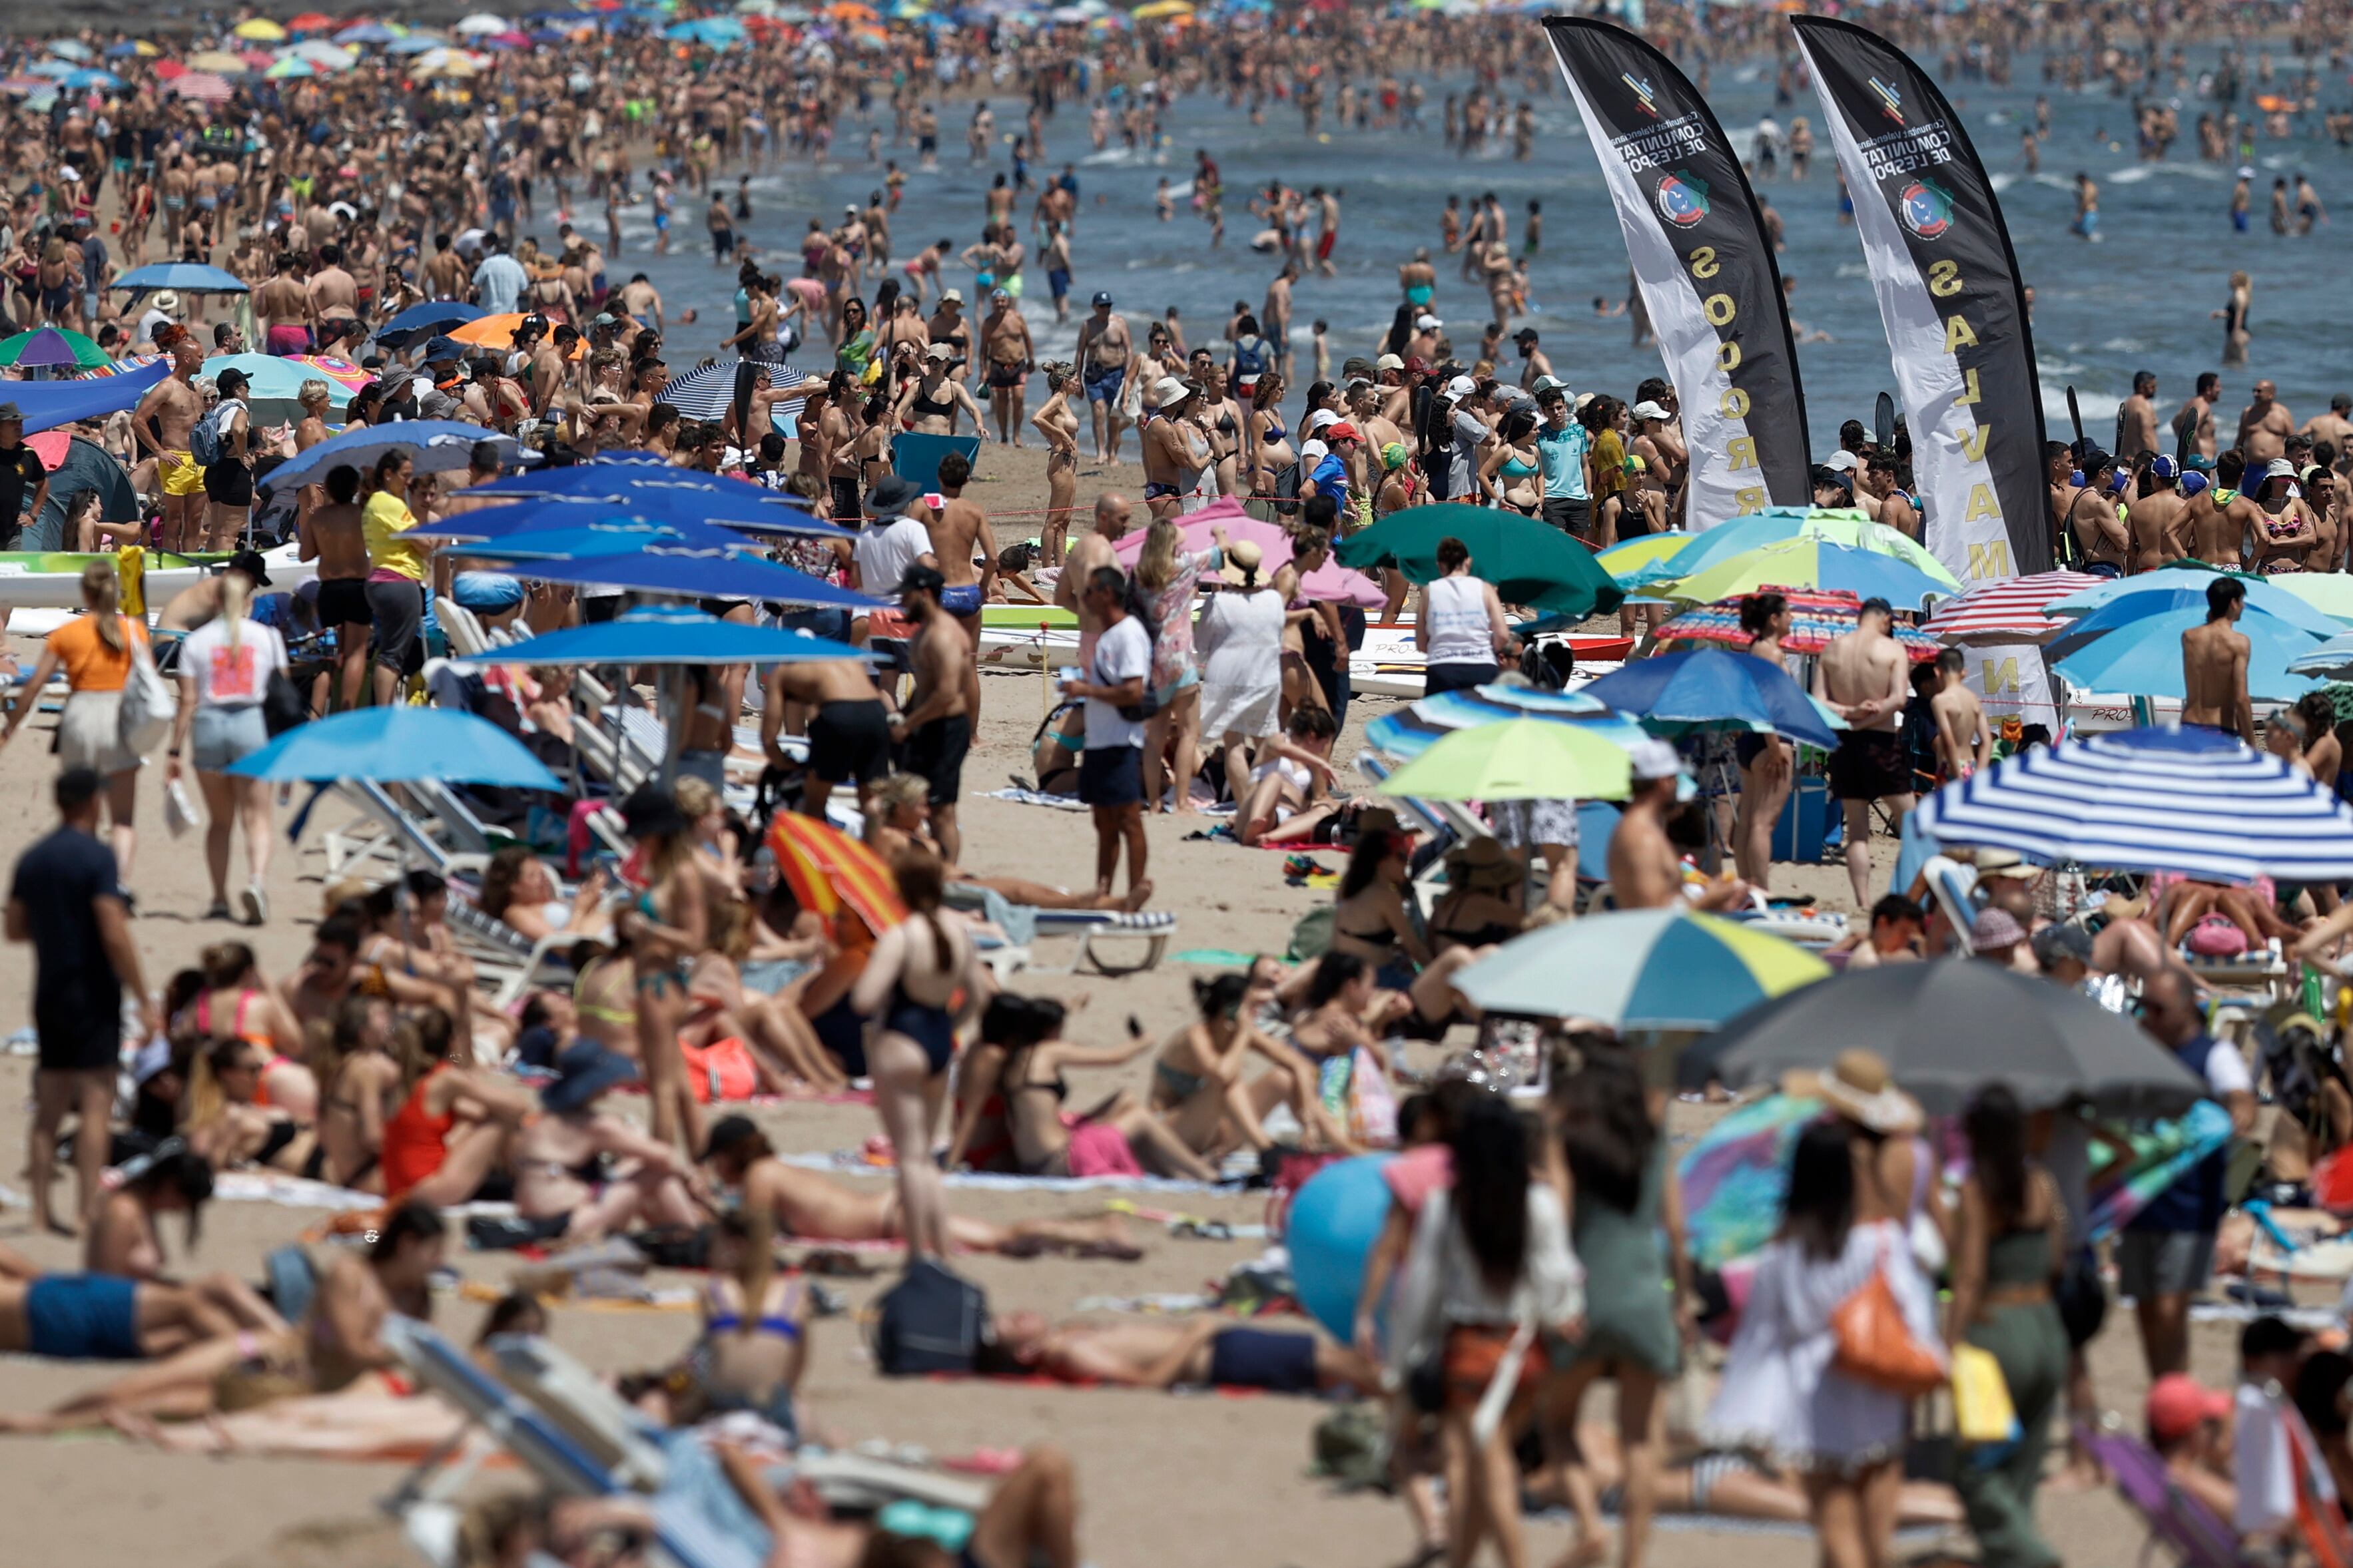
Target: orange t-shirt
x,y
90,665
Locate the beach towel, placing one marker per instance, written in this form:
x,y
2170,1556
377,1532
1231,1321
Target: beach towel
x,y
855,1161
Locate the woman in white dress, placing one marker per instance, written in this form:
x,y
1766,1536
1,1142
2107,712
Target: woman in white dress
x,y
1782,1391
1238,640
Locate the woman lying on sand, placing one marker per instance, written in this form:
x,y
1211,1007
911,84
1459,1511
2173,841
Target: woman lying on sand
x,y
807,1206
1148,1353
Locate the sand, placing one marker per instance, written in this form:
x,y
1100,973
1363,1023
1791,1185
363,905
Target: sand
x,y
1166,1481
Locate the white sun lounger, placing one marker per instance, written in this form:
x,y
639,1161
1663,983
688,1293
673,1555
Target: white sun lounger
x,y
1153,928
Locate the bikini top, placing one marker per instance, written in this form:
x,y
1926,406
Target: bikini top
x,y
1275,432
925,407
723,1319
1515,469
1060,1088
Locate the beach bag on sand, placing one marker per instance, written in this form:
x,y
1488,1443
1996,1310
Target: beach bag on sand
x,y
933,1320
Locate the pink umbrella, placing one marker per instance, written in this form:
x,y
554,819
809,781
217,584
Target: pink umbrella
x,y
203,85
1330,581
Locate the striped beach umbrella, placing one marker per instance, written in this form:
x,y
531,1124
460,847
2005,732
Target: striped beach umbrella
x,y
704,394
2008,610
1639,969
1816,615
2191,800
826,869
1410,731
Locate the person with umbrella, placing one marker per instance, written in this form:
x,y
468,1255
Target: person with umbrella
x,y
24,478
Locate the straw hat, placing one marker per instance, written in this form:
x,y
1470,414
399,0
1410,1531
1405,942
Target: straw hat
x,y
1378,819
167,301
1243,557
1482,863
1858,1086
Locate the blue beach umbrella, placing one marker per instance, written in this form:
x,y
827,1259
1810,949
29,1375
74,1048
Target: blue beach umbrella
x,y
1408,733
56,70
435,445
1639,969
92,78
397,744
2143,657
2126,608
669,634
269,378
1707,688
657,491
2182,586
702,574
69,49
2192,800
419,322
600,532
184,275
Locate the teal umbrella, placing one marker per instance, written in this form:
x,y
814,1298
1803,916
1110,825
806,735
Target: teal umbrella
x,y
1528,561
2143,657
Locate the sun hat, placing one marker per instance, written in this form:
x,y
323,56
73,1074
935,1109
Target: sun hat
x,y
891,497
582,1072
1168,392
1482,863
1859,1087
940,351
1994,929
1242,556
166,300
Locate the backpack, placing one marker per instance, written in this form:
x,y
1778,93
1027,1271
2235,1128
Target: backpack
x,y
1250,356
933,1320
205,442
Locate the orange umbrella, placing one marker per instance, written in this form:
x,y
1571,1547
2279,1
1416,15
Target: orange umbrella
x,y
826,869
490,331
850,11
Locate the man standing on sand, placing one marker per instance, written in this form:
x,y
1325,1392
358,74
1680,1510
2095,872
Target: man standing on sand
x,y
1110,769
960,530
2193,422
2214,665
1091,552
1103,353
281,309
66,902
1862,678
849,731
1964,741
1005,339
2264,426
2216,520
161,425
2157,519
935,731
2136,418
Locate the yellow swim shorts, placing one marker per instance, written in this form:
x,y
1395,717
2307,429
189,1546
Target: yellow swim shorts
x,y
185,480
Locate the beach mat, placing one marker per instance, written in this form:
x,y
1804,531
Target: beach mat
x,y
857,1163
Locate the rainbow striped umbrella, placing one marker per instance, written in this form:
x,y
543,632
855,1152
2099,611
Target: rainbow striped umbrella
x,y
1639,969
1816,615
342,372
826,869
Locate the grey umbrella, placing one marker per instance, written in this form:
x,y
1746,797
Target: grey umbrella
x,y
87,466
1948,1027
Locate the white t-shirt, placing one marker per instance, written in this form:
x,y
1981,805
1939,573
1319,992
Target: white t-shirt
x,y
2225,1069
884,555
1123,652
230,677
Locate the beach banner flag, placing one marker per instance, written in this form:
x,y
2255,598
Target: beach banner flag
x,y
1941,263
1704,265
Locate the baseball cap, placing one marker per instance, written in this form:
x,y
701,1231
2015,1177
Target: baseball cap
x,y
940,351
1462,386
1388,362
1653,759
1549,383
1103,296
1648,410
1524,336
2164,468
1426,322
1320,418
249,562
1845,461
1342,431
2192,482
2179,1404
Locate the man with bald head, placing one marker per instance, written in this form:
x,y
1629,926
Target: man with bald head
x,y
1089,550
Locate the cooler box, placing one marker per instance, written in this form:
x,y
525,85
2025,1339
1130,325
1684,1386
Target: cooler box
x,y
1807,825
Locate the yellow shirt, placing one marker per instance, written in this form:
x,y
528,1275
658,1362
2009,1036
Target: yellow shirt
x,y
385,518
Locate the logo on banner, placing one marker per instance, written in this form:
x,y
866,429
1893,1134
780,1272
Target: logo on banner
x,y
1926,207
1645,95
1683,199
1891,102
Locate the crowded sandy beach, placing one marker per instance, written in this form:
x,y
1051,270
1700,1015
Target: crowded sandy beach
x,y
798,785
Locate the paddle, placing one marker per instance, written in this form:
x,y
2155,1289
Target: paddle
x,y
2075,417
1882,420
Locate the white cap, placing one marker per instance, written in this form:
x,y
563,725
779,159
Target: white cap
x,y
1652,759
1843,460
1462,386
1388,362
1426,322
1322,417
1648,410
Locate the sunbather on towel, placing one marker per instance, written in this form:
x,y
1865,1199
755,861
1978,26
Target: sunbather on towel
x,y
582,1174
1026,1059
1197,1083
226,1119
519,888
456,1128
899,814
1723,1485
338,1347
1156,1352
97,1317
812,1207
785,1048
125,1239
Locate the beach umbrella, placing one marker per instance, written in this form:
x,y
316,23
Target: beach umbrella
x,y
594,531
309,22
2124,609
490,331
2332,660
1815,618
2008,609
1639,969
1810,563
69,49
2330,593
23,84
54,71
669,635
338,372
274,386
1709,689
826,869
291,67
1406,734
51,346
396,745
698,573
1847,526
1947,1028
1160,9
706,392
418,323
481,24
371,32
2143,657
1735,1177
259,30
1528,562
185,276
218,60
1629,560
78,467
2192,800
1330,582
328,57
2184,582
208,86
417,43
657,491
435,445
82,79
1519,758
126,50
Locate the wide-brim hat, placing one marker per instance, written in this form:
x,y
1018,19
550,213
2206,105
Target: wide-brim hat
x,y
1482,863
1859,1086
581,1073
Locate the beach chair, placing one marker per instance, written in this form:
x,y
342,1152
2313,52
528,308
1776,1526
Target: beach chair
x,y
2196,1534
1153,928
